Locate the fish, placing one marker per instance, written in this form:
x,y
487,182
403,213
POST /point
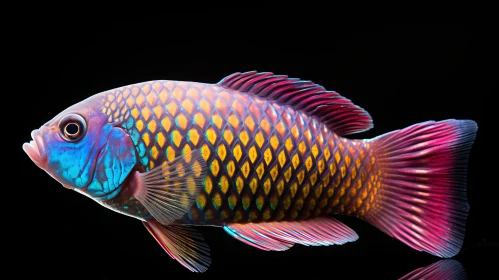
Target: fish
x,y
268,158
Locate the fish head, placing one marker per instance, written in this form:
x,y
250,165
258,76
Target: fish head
x,y
83,149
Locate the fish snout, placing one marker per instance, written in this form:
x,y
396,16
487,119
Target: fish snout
x,y
36,149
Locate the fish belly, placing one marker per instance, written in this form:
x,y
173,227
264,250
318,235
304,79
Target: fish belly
x,y
266,161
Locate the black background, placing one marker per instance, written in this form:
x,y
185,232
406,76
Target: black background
x,y
401,74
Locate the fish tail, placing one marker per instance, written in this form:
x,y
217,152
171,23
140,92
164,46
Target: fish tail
x,y
420,196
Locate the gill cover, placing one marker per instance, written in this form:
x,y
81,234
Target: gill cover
x,y
97,163
116,160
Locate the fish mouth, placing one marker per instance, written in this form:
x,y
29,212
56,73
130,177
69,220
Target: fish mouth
x,y
36,149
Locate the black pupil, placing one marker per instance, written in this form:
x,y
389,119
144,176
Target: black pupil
x,y
72,129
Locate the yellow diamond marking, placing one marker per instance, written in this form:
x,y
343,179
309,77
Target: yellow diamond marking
x,y
151,99
295,161
194,136
321,165
215,167
135,113
233,120
259,170
266,186
259,139
217,120
172,108
301,176
224,184
280,187
239,185
140,125
222,152
282,158
163,96
287,174
252,154
267,156
211,135
245,168
309,163
289,144
182,121
253,185
337,156
274,172
293,189
228,136
188,106
199,120
238,152
158,111
295,132
306,190
154,152
249,123
146,139
208,185
327,154
244,137
170,152
140,100
231,168
315,150
274,142
152,126
166,123
302,148
176,138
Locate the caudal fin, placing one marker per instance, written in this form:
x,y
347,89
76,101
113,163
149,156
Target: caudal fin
x,y
421,199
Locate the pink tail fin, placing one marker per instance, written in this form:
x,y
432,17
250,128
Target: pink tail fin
x,y
421,199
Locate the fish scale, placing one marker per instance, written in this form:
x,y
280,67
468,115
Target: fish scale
x,y
262,156
267,161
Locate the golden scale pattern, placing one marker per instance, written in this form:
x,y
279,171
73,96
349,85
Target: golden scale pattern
x,y
266,162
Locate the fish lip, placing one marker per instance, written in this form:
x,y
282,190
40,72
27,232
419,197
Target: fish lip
x,y
36,149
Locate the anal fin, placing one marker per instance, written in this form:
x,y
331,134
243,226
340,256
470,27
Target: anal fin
x,y
282,235
182,243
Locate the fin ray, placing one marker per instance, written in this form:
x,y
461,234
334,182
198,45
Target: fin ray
x,y
443,269
338,113
422,199
168,191
182,243
282,235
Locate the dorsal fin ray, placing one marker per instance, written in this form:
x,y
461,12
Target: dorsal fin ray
x,y
338,113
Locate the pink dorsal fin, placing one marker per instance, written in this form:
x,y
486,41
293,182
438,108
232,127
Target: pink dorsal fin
x,y
280,236
339,114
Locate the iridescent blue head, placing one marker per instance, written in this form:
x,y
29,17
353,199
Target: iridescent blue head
x,y
82,150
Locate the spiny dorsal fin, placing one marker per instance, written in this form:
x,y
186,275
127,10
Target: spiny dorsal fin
x,y
339,114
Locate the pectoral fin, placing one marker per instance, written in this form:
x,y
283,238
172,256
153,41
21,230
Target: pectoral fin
x,y
182,243
169,190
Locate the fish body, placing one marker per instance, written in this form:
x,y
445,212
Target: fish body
x,y
265,157
265,161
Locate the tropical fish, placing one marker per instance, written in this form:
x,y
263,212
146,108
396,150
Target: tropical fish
x,y
264,156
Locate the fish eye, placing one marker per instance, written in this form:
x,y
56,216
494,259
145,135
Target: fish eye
x,y
72,127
